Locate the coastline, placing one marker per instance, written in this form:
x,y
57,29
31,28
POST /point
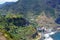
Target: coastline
x,y
47,36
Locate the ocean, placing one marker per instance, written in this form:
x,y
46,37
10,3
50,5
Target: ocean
x,y
52,36
56,36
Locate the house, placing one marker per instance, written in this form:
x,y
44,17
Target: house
x,y
58,27
41,29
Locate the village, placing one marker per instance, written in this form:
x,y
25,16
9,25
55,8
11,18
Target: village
x,y
46,26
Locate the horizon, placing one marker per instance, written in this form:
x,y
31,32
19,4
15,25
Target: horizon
x,y
3,1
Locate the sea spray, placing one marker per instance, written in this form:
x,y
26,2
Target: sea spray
x,y
47,36
56,36
52,33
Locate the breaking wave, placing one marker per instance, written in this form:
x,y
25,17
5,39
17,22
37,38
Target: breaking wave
x,y
47,36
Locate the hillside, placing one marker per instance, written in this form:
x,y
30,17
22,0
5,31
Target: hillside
x,y
27,19
51,7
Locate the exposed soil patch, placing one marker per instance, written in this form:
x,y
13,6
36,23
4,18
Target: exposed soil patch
x,y
2,37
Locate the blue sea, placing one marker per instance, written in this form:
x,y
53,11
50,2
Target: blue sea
x,y
56,36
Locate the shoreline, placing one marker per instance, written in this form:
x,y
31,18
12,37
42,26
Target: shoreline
x,y
46,36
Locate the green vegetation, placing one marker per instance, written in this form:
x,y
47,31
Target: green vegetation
x,y
31,8
19,20
16,27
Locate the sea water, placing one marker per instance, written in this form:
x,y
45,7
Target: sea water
x,y
52,36
48,37
56,36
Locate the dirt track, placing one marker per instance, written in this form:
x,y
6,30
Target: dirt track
x,y
2,37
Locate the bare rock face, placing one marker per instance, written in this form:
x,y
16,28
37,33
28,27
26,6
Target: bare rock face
x,y
2,37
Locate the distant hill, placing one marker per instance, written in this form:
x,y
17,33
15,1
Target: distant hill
x,y
51,7
6,4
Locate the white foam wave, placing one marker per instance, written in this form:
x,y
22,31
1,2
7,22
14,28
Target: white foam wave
x,y
47,36
52,33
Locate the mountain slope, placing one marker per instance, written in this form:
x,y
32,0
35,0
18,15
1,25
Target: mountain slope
x,y
51,7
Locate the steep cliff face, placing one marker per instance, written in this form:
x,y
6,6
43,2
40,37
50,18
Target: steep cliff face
x,y
51,7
